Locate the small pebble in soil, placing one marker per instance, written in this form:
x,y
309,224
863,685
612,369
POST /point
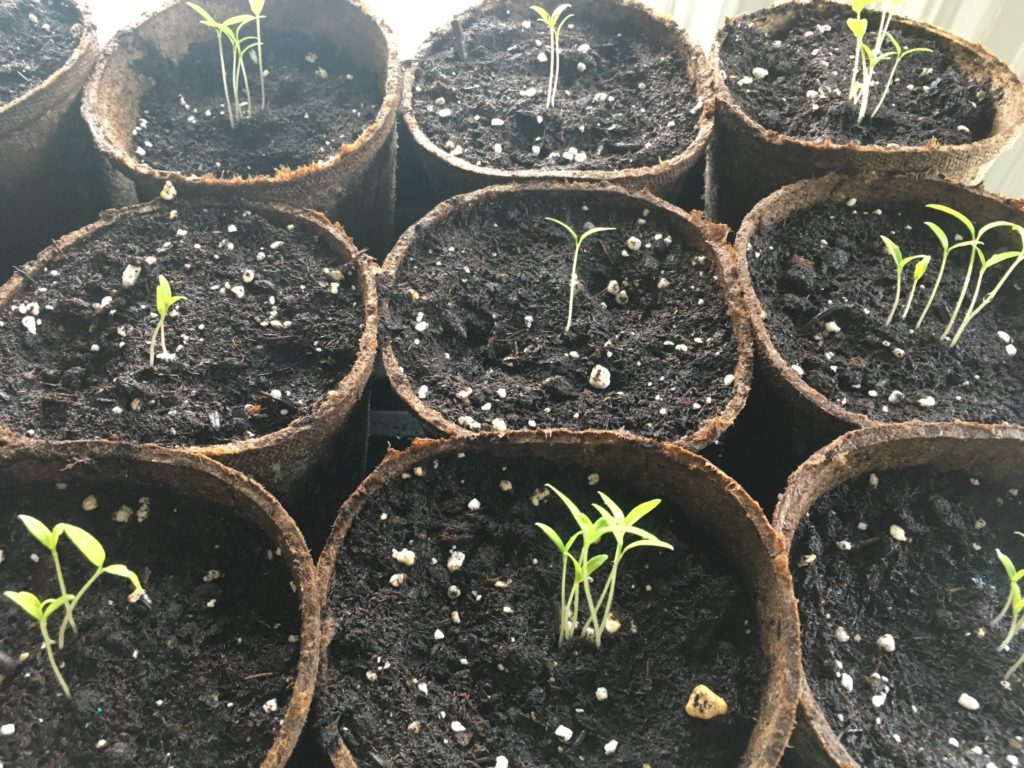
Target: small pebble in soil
x,y
270,706
887,643
897,532
927,402
89,503
455,561
633,243
564,733
501,762
397,580
7,729
438,634
600,377
842,636
601,694
846,681
844,545
705,704
968,702
610,747
404,556
473,505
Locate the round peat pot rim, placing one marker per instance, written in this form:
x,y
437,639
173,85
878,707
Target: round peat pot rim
x,y
892,446
1007,123
702,234
373,135
86,44
337,402
697,63
779,630
266,513
867,188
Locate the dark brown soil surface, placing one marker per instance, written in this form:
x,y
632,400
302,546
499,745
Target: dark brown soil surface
x,y
488,267
184,683
499,673
828,264
243,366
634,105
38,38
930,98
936,594
313,108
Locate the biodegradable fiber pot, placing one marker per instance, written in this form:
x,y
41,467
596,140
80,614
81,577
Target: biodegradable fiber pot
x,y
43,161
442,601
219,672
951,112
634,100
476,305
327,140
818,286
893,530
271,347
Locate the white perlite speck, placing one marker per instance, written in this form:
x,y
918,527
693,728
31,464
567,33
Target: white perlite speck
x,y
89,503
473,505
897,532
404,556
927,402
610,747
633,243
846,681
968,702
759,73
565,734
7,729
438,634
601,694
270,706
397,580
600,377
887,643
501,762
130,276
455,561
842,636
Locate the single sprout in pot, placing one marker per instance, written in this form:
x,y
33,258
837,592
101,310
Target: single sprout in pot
x,y
165,299
554,22
578,242
1014,606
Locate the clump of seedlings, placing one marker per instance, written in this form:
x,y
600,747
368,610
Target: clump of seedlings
x,y
611,521
867,58
977,268
165,299
554,21
578,242
232,30
1014,606
42,610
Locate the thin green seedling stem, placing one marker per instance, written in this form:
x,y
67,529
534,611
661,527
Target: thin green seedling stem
x,y
74,604
1015,626
224,78
975,251
48,644
1006,610
972,311
1017,665
259,63
63,592
938,279
910,299
550,102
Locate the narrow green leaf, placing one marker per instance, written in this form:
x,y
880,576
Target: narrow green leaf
x,y
595,231
124,572
585,524
575,238
922,266
28,602
203,13
939,234
86,543
40,532
555,538
47,607
615,509
895,251
640,511
595,562
955,214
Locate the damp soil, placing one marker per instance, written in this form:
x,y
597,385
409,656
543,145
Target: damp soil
x,y
827,264
931,99
499,673
243,365
477,277
182,683
38,38
634,105
936,594
318,99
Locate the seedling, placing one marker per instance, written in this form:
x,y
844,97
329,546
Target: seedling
x,y
611,520
554,22
901,264
164,301
578,242
231,30
1014,606
866,59
978,257
42,610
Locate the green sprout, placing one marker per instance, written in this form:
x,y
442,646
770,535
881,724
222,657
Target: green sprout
x,y
42,610
1014,606
901,264
554,22
578,242
231,30
611,520
973,277
164,301
866,59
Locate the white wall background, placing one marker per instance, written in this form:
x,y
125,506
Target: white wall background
x,y
997,24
